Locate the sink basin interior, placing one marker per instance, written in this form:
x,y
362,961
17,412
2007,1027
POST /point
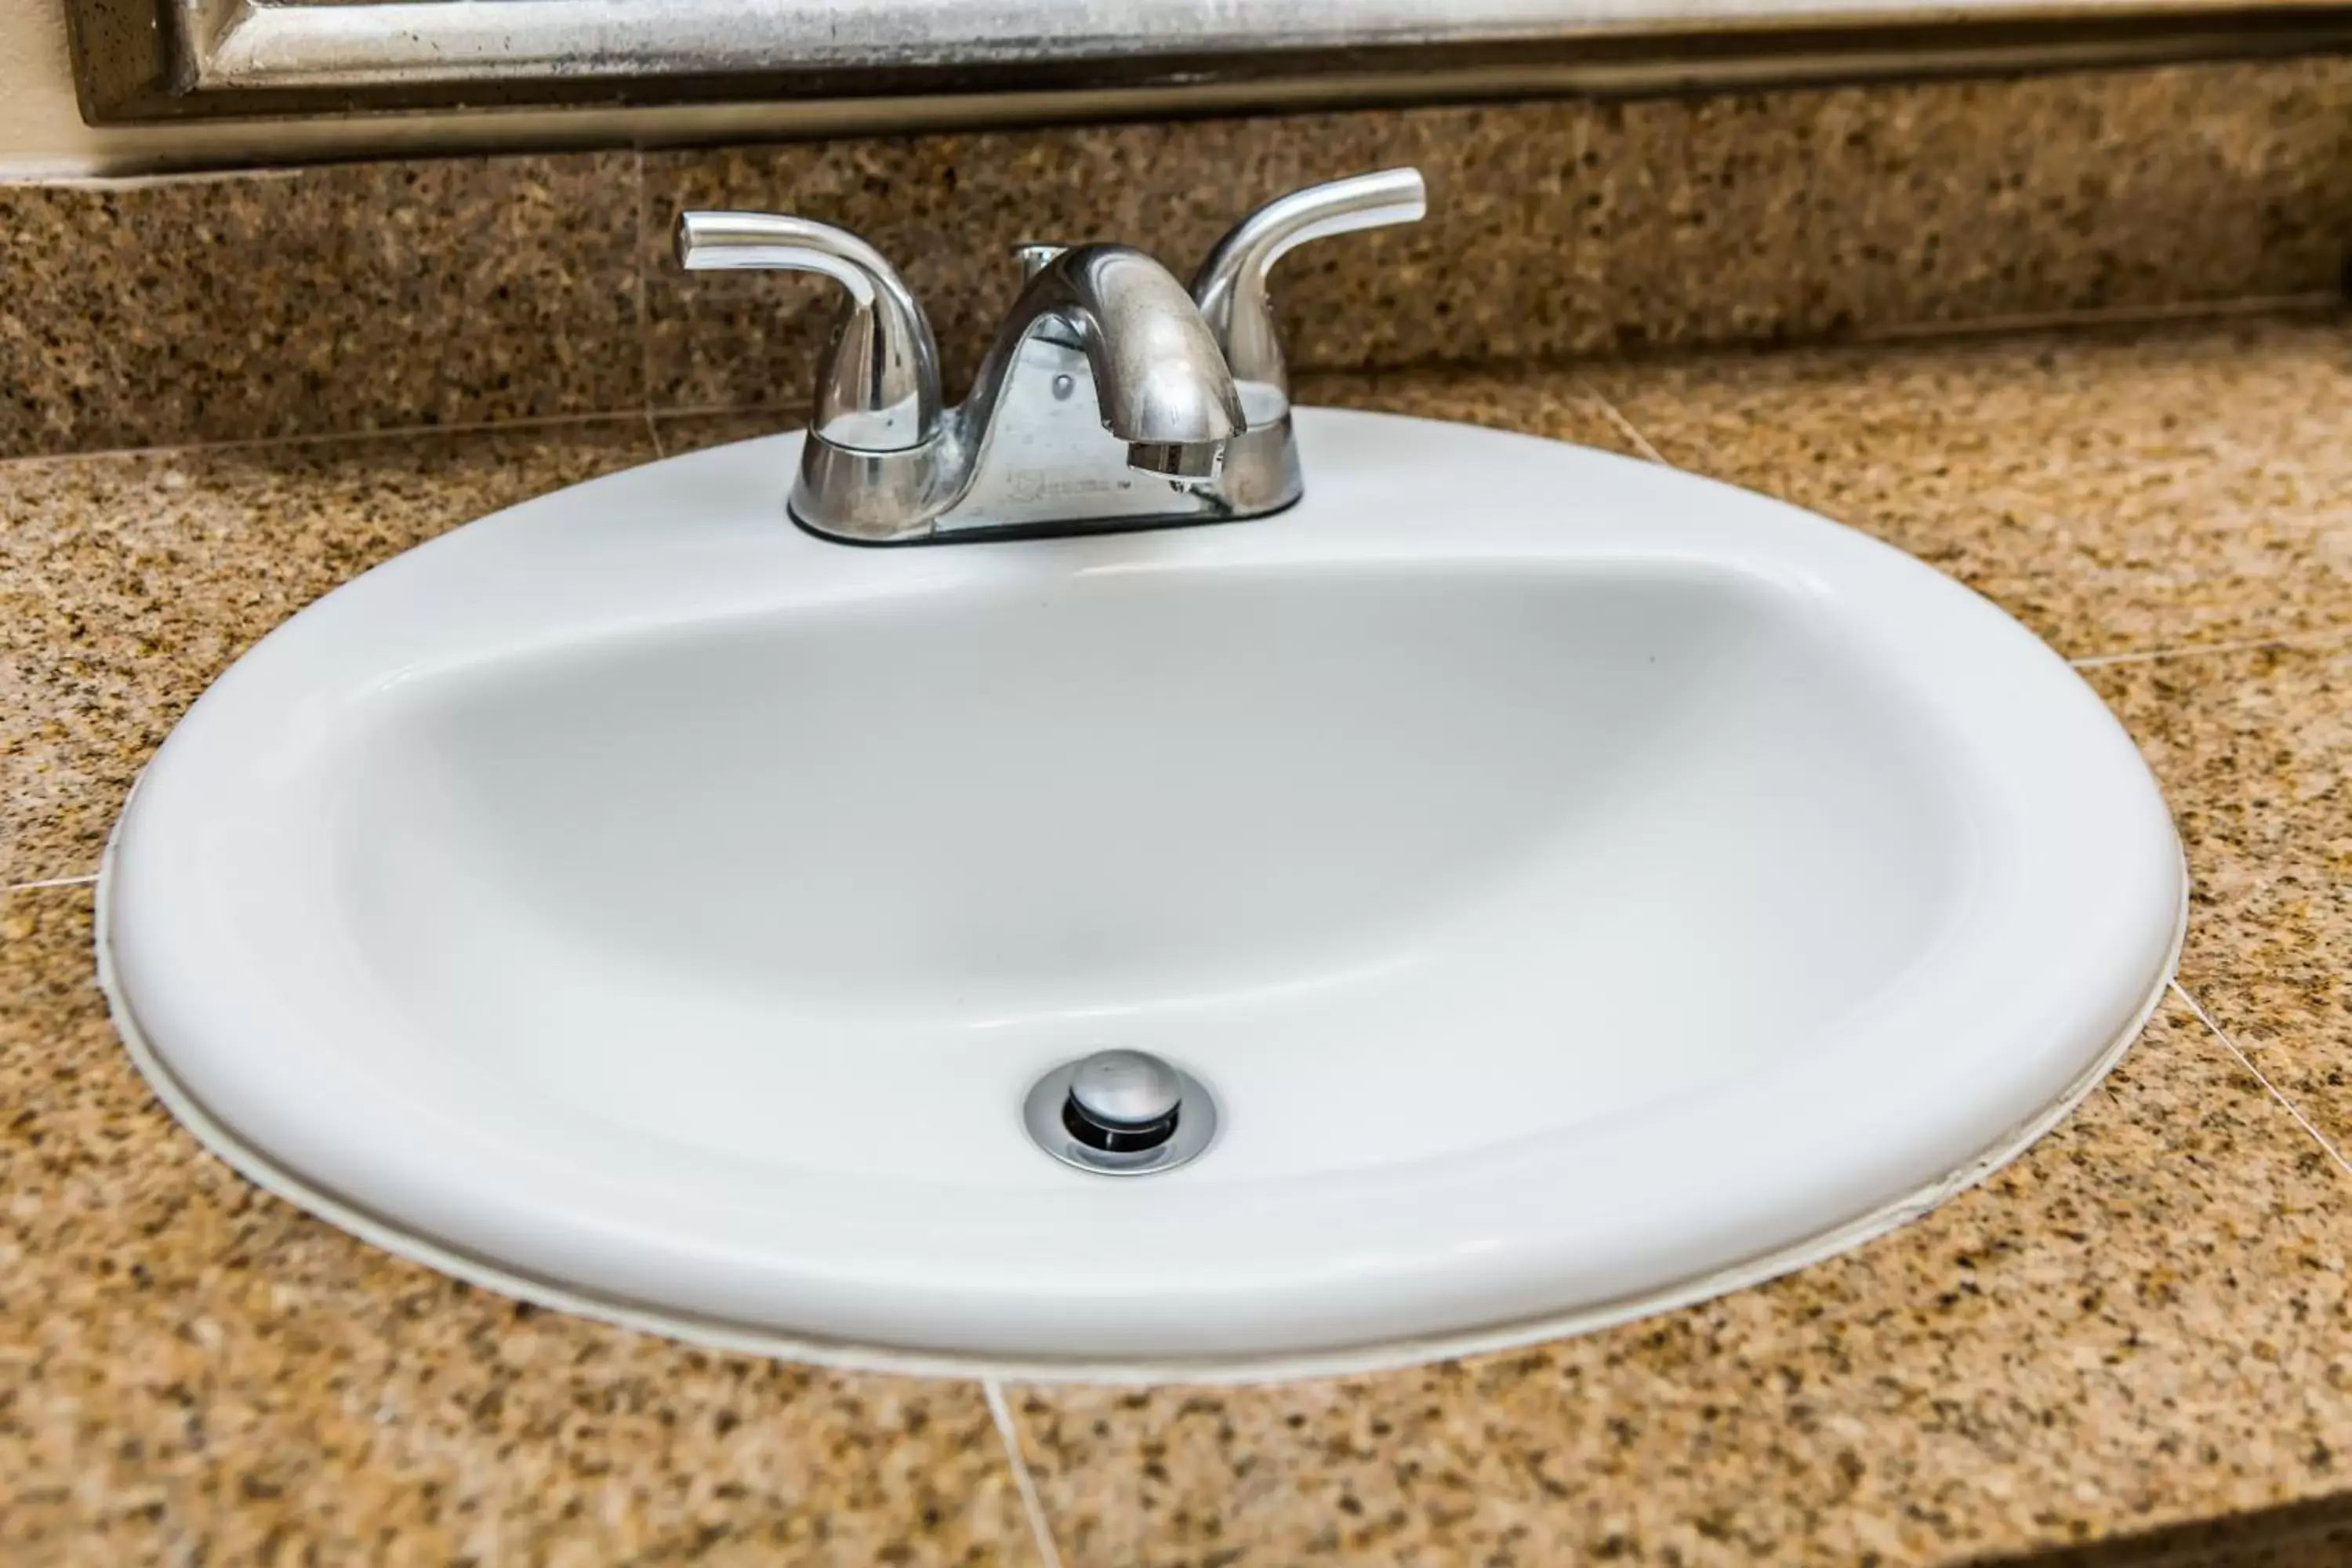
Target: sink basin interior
x,y
1264,821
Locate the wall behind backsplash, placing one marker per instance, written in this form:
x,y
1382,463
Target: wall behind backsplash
x,y
367,296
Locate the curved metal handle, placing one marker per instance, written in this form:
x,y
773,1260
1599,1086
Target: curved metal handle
x,y
1230,287
877,387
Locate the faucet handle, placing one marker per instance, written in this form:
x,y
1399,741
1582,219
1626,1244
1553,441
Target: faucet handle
x,y
1230,287
877,386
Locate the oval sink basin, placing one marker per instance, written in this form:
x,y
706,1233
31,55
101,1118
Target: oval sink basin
x,y
1578,885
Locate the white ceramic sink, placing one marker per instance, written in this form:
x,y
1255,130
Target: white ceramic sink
x,y
1581,886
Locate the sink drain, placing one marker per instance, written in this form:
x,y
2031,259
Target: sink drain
x,y
1120,1113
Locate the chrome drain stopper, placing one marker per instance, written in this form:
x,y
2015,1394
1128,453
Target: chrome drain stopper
x,y
1123,1101
1120,1113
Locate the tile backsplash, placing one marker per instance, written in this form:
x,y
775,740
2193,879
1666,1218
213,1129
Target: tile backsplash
x,y
348,297
485,291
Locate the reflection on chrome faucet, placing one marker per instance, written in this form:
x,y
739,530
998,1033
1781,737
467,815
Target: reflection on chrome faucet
x,y
1112,397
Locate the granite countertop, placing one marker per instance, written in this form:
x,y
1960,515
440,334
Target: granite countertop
x,y
2140,1325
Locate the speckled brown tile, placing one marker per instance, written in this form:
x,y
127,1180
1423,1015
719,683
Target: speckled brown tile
x,y
436,291
349,298
128,582
190,1371
1536,401
2144,1319
2115,492
1579,228
1770,216
2255,752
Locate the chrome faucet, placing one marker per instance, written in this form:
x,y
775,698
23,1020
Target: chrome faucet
x,y
1111,397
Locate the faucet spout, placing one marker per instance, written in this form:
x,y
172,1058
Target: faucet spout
x,y
1161,384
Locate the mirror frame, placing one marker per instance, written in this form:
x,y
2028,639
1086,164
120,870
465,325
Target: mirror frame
x,y
148,61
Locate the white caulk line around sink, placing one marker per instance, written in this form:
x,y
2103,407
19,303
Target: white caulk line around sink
x,y
1348,1361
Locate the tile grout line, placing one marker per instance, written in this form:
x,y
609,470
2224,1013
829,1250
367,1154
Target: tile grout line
x,y
1022,1481
2323,639
2184,313
90,880
2178,313
2247,1062
709,410
408,432
638,276
1623,426
332,438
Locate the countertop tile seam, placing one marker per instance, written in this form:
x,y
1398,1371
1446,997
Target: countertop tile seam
x,y
1861,342
1041,1528
2247,1062
643,322
85,880
329,438
727,410
2089,328
1617,420
2178,313
2319,641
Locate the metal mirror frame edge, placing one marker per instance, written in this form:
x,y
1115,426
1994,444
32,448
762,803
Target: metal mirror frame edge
x,y
148,61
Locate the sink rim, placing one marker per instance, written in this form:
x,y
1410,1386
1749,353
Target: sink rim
x,y
850,1354
217,1135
